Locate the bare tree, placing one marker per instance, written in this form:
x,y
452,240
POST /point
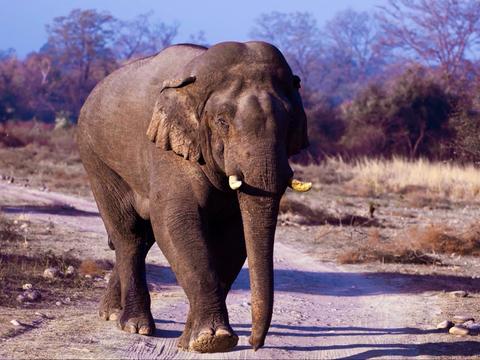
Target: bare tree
x,y
333,61
140,37
80,48
299,38
24,87
82,40
355,37
437,32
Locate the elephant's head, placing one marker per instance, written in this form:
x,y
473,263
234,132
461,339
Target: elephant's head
x,y
236,108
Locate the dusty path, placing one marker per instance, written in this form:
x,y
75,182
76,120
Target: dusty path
x,y
321,310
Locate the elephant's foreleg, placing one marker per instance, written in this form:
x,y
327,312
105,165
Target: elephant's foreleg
x,y
229,252
181,236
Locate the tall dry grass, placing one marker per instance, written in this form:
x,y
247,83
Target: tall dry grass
x,y
434,179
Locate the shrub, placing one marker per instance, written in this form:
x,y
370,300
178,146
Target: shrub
x,y
407,117
377,249
439,239
415,246
466,144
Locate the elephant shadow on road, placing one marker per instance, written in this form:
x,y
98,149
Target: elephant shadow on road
x,y
371,350
457,349
340,283
377,350
350,338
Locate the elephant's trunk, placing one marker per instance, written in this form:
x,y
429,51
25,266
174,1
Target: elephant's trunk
x,y
259,216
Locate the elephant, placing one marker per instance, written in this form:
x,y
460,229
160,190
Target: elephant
x,y
189,148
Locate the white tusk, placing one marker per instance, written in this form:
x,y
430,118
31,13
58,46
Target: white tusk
x,y
299,186
234,182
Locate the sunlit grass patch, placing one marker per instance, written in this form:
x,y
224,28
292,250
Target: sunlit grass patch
x,y
376,177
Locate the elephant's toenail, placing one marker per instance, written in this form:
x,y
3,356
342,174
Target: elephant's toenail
x,y
144,330
222,332
113,317
207,331
132,329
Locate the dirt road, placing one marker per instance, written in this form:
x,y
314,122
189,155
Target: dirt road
x,y
322,310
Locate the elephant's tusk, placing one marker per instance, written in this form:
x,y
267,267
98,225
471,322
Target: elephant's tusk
x,y
234,182
299,186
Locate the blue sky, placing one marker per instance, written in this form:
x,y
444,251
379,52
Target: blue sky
x,y
22,22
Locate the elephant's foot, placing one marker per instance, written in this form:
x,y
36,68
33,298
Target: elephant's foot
x,y
209,341
211,338
136,322
110,305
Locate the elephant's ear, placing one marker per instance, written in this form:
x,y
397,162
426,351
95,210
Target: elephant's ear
x,y
297,134
174,124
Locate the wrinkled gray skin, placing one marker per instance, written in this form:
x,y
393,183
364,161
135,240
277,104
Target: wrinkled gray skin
x,y
159,138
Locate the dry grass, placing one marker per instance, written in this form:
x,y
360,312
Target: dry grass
x,y
374,177
397,184
445,180
302,214
23,133
442,240
17,269
94,267
21,264
379,249
8,232
35,154
414,246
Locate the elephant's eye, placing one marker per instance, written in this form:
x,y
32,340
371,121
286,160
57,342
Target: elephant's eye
x,y
221,122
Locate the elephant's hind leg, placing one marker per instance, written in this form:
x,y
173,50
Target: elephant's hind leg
x,y
127,298
135,316
110,304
